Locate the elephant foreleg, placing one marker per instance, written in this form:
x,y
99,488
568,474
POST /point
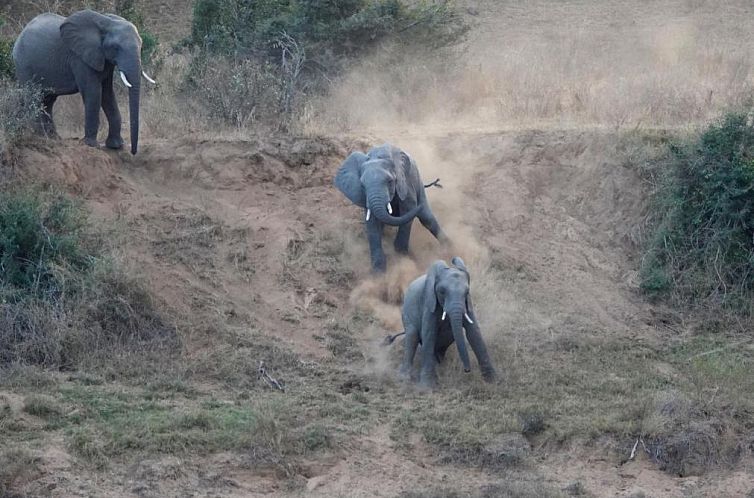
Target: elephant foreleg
x,y
112,113
403,237
428,373
91,93
374,235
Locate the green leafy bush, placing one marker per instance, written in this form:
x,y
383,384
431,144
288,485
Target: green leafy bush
x,y
39,240
702,247
331,29
62,299
129,10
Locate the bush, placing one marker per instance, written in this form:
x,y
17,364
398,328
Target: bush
x,y
237,93
62,299
20,110
294,47
6,60
128,9
7,69
702,247
331,29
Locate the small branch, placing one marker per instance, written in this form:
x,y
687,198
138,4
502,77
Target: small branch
x,y
435,183
269,379
633,450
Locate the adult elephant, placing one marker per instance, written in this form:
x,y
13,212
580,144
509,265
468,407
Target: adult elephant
x,y
437,308
386,183
79,54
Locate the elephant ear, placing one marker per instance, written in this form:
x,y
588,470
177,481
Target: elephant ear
x,y
430,295
348,178
402,163
458,263
82,34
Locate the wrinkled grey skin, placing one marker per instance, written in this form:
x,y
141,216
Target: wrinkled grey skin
x,y
78,54
383,175
443,289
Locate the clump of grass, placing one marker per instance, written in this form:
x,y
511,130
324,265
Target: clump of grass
x,y
702,248
42,406
63,301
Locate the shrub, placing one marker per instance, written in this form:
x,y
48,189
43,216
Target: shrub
x,y
6,59
330,29
702,246
62,299
239,93
20,109
129,10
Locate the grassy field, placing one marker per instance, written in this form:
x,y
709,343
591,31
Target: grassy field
x,y
546,129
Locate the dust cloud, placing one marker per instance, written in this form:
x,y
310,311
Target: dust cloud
x,y
546,63
539,65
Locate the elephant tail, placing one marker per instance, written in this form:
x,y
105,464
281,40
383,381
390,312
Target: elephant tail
x,y
435,183
389,339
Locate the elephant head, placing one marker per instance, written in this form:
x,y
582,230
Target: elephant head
x,y
448,287
99,39
373,181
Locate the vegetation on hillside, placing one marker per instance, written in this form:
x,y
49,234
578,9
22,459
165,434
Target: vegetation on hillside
x,y
702,247
63,300
270,54
6,60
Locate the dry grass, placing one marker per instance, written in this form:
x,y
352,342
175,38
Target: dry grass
x,y
561,64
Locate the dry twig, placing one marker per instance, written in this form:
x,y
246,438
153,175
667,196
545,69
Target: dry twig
x,y
269,379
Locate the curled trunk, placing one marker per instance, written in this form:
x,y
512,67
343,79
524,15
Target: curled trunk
x,y
377,204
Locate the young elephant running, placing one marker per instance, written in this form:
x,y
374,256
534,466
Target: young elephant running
x,y
386,183
436,309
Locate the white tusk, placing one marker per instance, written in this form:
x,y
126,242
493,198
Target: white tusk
x,y
125,80
443,315
389,208
148,78
466,315
369,213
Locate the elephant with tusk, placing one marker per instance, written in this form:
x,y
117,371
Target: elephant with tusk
x,y
443,288
79,53
385,182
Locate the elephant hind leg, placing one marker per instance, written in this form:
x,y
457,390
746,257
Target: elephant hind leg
x,y
411,343
112,113
427,218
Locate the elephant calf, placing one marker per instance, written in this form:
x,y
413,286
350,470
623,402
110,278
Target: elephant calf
x,y
436,309
385,181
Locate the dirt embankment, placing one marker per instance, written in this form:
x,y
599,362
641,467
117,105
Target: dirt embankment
x,y
252,234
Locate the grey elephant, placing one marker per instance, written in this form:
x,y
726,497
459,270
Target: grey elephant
x,y
79,54
386,183
437,308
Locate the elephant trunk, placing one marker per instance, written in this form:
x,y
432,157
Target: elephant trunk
x,y
456,314
132,71
377,204
133,107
